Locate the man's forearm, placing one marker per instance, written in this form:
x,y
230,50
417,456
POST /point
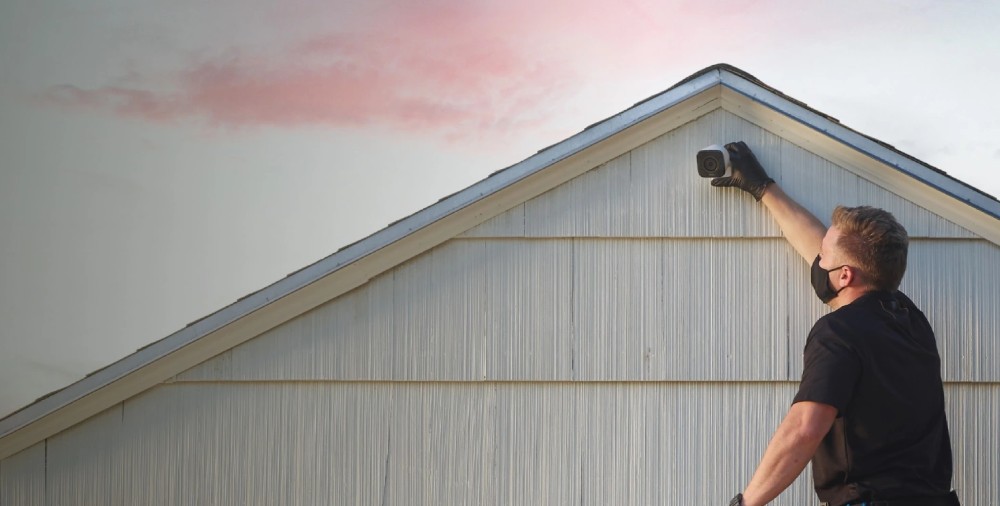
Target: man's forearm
x,y
791,448
802,229
783,462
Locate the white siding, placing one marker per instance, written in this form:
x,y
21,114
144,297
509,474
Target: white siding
x,y
528,303
654,191
421,443
629,337
22,478
451,443
588,206
957,285
973,410
437,287
84,464
677,310
606,309
531,310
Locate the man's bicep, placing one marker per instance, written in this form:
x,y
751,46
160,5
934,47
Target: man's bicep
x,y
813,419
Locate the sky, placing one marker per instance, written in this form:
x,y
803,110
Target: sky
x,y
159,160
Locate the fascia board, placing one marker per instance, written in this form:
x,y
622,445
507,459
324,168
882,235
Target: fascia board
x,y
867,158
354,264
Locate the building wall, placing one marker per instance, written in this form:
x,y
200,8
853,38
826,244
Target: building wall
x,y
22,477
630,337
413,443
654,191
431,443
606,310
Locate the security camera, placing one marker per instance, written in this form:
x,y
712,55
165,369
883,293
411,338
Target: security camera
x,y
713,161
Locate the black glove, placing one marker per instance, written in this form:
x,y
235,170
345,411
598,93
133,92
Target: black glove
x,y
748,175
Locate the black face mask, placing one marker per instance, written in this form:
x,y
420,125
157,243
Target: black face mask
x,y
821,281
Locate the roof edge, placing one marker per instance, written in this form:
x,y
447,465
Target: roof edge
x,y
867,145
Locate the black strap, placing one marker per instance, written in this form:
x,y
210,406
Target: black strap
x,y
946,500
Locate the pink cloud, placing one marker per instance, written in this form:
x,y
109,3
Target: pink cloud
x,y
454,67
123,101
445,69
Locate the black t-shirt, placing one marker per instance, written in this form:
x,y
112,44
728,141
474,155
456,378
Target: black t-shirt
x,y
876,361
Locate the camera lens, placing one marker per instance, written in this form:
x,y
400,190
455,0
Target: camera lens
x,y
710,164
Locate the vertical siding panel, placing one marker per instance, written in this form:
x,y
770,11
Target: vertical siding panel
x,y
541,309
603,434
767,147
582,206
528,309
342,339
439,452
440,443
618,308
287,353
22,477
438,314
643,443
381,342
669,199
538,455
724,311
734,424
816,183
654,191
254,443
333,341
506,224
919,222
804,308
220,366
957,285
730,320
662,466
407,450
607,309
820,186
660,190
437,446
972,420
650,186
84,464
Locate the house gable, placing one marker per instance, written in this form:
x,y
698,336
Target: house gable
x,y
717,88
636,270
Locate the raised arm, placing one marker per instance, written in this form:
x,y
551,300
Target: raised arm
x,y
806,424
802,229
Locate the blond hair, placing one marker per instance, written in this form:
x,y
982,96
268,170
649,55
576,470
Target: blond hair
x,y
875,241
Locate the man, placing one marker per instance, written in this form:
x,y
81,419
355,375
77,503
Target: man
x,y
869,412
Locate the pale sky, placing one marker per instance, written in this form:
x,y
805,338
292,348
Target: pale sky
x,y
159,160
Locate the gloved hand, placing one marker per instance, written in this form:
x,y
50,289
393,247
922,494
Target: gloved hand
x,y
748,175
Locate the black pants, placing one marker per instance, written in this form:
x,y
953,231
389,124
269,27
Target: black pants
x,y
946,500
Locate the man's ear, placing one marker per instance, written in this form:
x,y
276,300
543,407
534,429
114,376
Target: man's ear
x,y
847,276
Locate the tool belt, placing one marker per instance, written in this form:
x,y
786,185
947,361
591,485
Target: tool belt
x,y
944,500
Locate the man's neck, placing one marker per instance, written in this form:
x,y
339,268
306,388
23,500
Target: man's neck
x,y
848,295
